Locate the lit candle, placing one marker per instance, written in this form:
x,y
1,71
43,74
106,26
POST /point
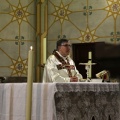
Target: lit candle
x,y
29,83
44,50
89,55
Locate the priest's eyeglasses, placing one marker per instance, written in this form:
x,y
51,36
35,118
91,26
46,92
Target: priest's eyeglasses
x,y
67,45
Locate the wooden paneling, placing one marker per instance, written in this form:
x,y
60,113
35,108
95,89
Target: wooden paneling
x,y
106,56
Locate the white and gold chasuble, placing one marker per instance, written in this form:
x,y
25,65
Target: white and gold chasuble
x,y
56,70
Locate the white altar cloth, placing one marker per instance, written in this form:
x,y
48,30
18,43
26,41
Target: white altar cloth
x,y
13,101
13,98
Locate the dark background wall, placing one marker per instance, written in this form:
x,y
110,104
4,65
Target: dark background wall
x,y
106,57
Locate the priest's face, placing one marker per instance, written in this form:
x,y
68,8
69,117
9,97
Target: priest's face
x,y
65,48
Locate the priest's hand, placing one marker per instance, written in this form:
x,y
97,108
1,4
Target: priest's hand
x,y
73,79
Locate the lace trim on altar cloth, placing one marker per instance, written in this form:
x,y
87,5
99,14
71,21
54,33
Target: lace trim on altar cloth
x,y
96,87
87,102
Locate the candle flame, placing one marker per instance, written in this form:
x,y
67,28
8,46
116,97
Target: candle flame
x,y
31,48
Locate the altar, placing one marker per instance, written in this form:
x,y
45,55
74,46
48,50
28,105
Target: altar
x,y
61,101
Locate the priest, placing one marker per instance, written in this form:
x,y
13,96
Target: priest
x,y
59,66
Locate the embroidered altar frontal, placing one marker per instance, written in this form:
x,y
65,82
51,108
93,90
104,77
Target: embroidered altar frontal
x,y
87,102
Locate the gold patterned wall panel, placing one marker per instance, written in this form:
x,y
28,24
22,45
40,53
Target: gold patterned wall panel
x,y
41,37
17,34
83,21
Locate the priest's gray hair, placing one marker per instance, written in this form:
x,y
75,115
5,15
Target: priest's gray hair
x,y
60,42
